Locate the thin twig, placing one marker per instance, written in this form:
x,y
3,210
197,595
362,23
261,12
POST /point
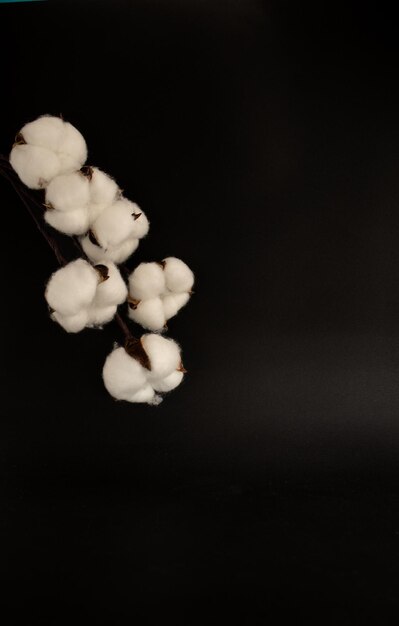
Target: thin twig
x,y
60,258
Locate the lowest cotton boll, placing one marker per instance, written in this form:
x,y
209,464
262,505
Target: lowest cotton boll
x,y
157,291
81,295
45,148
127,378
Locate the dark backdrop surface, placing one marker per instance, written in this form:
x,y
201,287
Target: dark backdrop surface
x,y
262,140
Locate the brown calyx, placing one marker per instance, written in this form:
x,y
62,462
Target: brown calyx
x,y
181,368
48,206
133,304
92,238
19,140
87,171
161,264
102,271
135,349
136,216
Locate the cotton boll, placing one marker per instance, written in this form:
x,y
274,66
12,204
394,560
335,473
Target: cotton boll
x,y
72,147
46,131
115,224
178,275
68,192
123,376
71,323
173,302
112,291
149,314
97,316
164,355
35,165
68,222
72,288
146,281
146,394
169,382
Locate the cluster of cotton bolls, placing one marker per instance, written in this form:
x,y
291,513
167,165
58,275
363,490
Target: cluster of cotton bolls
x,y
49,153
142,368
157,291
83,201
80,294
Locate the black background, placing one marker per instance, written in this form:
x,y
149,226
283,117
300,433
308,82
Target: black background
x,y
262,140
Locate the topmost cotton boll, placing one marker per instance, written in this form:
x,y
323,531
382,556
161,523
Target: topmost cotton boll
x,y
45,148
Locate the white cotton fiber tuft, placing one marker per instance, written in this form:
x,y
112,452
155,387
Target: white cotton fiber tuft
x,y
178,275
169,382
34,165
123,376
149,314
146,281
112,291
97,316
68,192
46,131
164,355
141,224
173,302
145,394
117,254
103,191
71,323
72,288
68,222
72,148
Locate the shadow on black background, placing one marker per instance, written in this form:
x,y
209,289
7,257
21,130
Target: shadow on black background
x,y
262,139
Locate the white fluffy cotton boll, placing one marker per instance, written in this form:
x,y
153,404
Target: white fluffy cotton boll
x,y
113,290
35,165
52,147
68,192
169,382
146,281
98,316
178,276
173,302
71,323
115,224
72,288
164,355
149,314
68,222
123,376
117,254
